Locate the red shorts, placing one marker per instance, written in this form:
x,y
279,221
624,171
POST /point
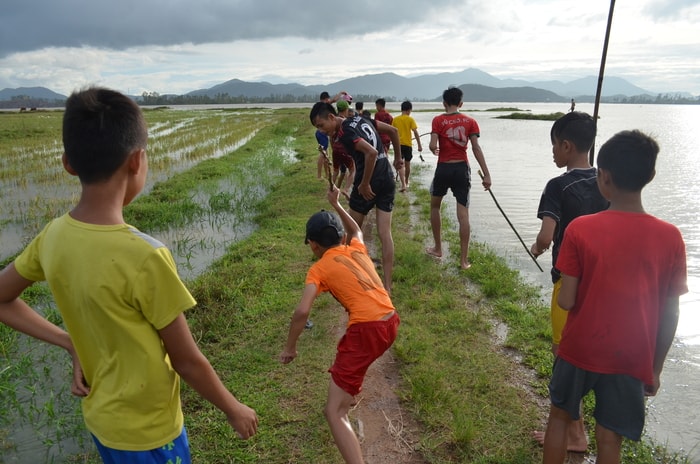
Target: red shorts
x,y
361,345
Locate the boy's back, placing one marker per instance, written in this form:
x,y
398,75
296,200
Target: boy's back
x,y
566,197
627,264
348,273
115,287
405,124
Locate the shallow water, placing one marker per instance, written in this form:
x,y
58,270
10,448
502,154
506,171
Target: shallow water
x,y
194,247
519,157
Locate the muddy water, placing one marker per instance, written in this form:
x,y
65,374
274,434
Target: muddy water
x,y
519,157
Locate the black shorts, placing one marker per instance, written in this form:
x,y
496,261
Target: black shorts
x,y
619,398
453,176
406,153
384,192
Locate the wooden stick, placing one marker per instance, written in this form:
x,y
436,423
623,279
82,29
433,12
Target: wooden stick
x,y
511,225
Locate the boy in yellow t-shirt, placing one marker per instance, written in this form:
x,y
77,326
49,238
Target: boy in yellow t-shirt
x,y
119,295
346,271
406,125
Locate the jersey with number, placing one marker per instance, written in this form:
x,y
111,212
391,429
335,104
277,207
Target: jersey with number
x,y
348,273
454,131
115,287
357,128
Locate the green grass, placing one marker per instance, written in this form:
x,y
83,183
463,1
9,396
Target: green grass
x,y
455,380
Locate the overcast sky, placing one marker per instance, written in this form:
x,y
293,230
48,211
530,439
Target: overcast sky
x,y
175,46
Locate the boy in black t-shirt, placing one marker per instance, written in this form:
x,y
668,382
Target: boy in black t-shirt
x,y
374,178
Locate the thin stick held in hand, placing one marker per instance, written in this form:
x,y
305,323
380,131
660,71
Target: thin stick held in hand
x,y
511,225
328,171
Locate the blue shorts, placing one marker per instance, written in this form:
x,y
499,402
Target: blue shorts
x,y
175,452
619,398
453,176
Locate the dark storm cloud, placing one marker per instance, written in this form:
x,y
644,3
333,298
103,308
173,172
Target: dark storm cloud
x,y
34,24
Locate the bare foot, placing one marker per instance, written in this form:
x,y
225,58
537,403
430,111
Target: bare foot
x,y
403,189
538,436
432,251
466,265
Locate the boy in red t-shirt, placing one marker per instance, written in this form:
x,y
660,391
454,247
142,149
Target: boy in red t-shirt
x,y
346,271
623,271
451,133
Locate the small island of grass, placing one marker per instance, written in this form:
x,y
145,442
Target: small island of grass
x,y
539,117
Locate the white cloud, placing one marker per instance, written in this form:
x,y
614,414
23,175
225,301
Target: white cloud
x,y
654,44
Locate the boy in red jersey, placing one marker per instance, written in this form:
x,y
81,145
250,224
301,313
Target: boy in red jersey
x,y
451,133
384,116
346,271
623,271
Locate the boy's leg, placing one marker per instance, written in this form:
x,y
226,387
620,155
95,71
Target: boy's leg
x,y
555,436
336,412
435,225
608,443
464,232
387,241
407,168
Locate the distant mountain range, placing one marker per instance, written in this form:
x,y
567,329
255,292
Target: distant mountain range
x,y
477,85
30,92
425,87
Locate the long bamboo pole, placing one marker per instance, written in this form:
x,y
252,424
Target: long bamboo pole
x,y
600,74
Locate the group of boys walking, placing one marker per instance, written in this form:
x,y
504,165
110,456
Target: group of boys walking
x,y
617,272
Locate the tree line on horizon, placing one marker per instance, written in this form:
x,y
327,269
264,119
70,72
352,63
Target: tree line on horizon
x,y
155,99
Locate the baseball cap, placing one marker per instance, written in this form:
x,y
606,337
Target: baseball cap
x,y
342,105
325,228
347,97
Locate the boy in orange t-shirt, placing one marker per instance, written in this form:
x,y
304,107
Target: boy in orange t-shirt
x,y
345,269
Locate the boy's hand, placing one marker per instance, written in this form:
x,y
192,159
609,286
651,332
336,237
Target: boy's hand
x,y
650,390
245,421
333,195
79,386
366,191
288,356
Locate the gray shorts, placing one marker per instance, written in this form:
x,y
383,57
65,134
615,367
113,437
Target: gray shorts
x,y
619,398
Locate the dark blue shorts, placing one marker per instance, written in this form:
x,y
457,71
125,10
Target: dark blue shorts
x,y
177,451
455,177
619,399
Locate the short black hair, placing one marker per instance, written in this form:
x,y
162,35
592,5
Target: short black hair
x,y
359,106
381,102
101,127
406,106
630,158
452,96
321,110
324,95
577,127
